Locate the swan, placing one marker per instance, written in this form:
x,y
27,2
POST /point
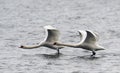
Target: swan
x,y
88,42
52,37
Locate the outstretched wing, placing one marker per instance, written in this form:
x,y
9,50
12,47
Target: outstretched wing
x,y
83,35
96,35
52,34
91,37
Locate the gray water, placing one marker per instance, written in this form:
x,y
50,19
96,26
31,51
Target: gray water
x,y
22,22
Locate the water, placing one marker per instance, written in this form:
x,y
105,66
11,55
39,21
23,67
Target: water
x,y
21,22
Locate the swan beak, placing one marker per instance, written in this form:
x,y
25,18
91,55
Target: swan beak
x,y
21,46
55,43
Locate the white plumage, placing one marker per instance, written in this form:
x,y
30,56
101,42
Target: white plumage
x,y
52,36
88,41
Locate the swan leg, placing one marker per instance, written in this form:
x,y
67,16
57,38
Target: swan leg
x,y
93,53
58,51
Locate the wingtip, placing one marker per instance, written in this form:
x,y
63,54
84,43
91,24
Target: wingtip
x,y
49,27
92,32
88,30
81,30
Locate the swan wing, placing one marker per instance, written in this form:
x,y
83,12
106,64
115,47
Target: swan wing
x,y
91,37
83,35
96,35
52,34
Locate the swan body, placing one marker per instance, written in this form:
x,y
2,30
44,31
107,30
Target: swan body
x,y
88,42
52,37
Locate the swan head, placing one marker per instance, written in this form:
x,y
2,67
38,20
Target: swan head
x,y
57,43
21,46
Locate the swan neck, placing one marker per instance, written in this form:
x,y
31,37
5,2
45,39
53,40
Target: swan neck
x,y
31,47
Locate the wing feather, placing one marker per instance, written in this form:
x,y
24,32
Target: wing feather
x,y
52,34
91,37
83,35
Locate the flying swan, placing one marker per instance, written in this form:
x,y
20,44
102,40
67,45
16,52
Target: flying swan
x,y
52,37
88,42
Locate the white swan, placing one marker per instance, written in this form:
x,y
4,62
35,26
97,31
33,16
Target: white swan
x,y
52,37
88,41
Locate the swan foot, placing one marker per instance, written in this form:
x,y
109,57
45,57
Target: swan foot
x,y
93,54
